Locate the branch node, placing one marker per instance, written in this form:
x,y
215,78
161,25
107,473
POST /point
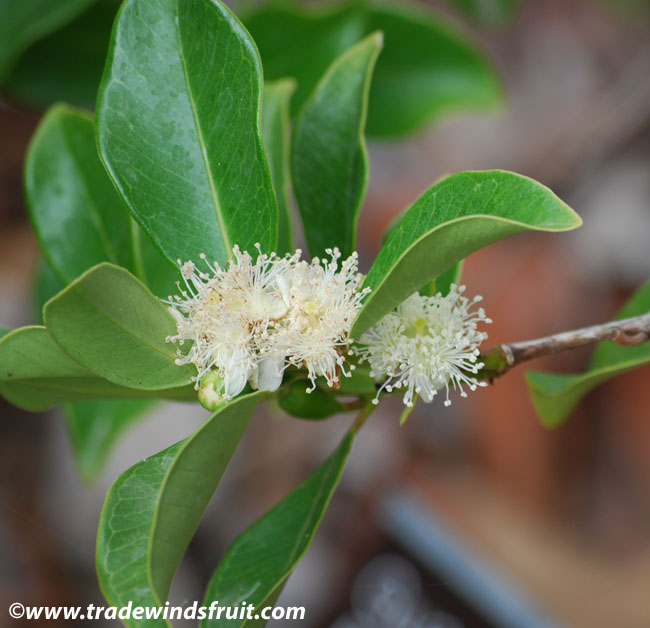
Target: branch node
x,y
626,339
509,355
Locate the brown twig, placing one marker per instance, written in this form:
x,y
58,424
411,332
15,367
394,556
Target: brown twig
x,y
627,332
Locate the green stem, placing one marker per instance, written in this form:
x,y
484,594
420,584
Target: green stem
x,y
363,415
353,405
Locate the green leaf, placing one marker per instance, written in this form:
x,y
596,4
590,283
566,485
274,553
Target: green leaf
x,y
454,218
66,65
78,217
178,123
46,285
23,22
302,43
329,156
153,509
443,282
94,427
261,559
276,131
4,332
154,269
556,396
109,322
427,70
35,374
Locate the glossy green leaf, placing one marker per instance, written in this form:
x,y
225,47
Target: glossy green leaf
x,y
443,282
317,404
556,396
154,508
108,321
95,426
276,132
261,559
4,331
428,69
35,374
76,213
178,123
454,218
66,65
22,22
78,216
329,156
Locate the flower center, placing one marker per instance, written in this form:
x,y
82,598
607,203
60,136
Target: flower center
x,y
418,327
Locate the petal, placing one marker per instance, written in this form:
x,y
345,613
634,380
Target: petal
x,y
236,377
269,373
285,291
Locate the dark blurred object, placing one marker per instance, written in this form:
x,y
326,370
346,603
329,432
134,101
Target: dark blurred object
x,y
66,65
451,586
391,592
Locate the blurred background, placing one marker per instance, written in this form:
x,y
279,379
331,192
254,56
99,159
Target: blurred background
x,y
468,516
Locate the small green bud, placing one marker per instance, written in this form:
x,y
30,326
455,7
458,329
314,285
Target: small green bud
x,y
210,391
318,404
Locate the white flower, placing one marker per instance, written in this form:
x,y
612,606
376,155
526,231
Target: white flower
x,y
324,301
248,322
228,315
425,345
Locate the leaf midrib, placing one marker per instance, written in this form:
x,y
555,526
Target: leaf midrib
x,y
42,383
93,209
326,481
199,130
585,377
126,330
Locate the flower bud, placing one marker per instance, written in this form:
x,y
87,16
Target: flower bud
x,y
211,391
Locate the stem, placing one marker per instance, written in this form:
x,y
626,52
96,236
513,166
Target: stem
x,y
363,415
353,405
627,332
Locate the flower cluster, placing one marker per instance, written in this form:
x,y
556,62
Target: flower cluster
x,y
249,321
425,345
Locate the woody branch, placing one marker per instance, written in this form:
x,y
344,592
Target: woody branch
x,y
628,332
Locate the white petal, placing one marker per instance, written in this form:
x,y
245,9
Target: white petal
x,y
236,378
285,291
269,373
276,308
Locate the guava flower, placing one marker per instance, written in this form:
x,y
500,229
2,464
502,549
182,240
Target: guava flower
x,y
324,299
249,321
228,315
425,345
